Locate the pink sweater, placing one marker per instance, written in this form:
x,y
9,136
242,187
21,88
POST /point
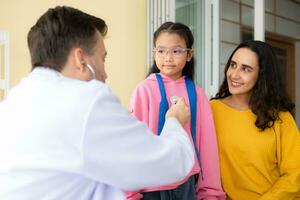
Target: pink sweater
x,y
145,106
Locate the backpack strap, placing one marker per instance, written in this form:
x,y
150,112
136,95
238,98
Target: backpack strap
x,y
163,106
192,94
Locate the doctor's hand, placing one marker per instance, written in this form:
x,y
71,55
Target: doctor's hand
x,y
180,111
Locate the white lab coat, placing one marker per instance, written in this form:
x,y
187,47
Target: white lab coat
x,y
66,139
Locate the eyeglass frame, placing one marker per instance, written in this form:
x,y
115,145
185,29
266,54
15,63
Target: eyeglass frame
x,y
169,50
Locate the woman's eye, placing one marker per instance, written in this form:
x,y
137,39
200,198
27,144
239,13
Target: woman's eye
x,y
246,69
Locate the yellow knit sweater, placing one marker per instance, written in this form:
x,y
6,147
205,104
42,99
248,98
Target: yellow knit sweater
x,y
257,165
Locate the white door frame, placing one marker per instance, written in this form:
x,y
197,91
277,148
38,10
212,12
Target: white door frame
x,y
259,20
211,46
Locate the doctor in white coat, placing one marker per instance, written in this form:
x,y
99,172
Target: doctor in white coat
x,y
65,136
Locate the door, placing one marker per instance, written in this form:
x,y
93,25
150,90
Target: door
x,y
285,52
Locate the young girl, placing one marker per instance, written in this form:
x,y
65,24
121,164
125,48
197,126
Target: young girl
x,y
171,76
259,142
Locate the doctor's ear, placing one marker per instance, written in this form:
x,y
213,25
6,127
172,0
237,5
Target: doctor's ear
x,y
79,58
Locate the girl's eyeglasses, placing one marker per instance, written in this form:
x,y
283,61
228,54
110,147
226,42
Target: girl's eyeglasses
x,y
175,52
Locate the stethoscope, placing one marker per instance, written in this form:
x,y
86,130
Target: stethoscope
x,y
174,99
92,70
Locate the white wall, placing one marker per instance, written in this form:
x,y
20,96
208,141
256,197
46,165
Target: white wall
x,y
125,42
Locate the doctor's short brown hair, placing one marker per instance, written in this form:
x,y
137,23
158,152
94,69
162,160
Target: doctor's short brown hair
x,y
59,30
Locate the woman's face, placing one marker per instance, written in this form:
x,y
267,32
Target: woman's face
x,y
242,72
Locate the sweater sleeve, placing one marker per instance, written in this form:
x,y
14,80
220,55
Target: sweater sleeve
x,y
139,104
288,185
208,188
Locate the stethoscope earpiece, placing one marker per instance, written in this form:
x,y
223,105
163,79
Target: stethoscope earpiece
x,y
91,69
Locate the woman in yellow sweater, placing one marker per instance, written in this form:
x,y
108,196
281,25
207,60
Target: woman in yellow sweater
x,y
259,141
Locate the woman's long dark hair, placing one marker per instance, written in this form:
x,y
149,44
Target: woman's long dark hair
x,y
268,96
184,32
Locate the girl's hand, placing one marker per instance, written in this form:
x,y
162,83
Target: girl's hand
x,y
130,110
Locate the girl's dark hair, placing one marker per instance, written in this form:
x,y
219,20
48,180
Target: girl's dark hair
x,y
59,30
184,32
268,96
